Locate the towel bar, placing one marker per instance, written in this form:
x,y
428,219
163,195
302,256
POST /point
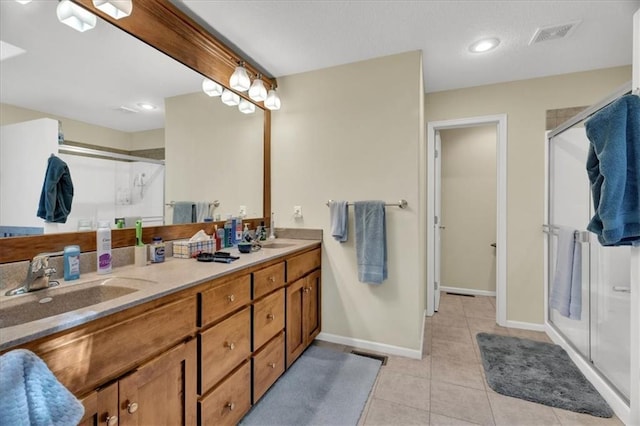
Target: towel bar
x,y
402,204
215,203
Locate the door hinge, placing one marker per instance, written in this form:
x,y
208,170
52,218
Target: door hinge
x,y
436,153
436,285
436,220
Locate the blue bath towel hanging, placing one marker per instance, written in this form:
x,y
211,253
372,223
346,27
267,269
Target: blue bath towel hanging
x,y
57,192
339,217
30,394
371,241
613,166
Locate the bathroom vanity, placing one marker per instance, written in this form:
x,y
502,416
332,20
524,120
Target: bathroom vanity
x,y
198,343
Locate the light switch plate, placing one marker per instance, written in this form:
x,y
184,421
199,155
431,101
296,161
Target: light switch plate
x,y
297,211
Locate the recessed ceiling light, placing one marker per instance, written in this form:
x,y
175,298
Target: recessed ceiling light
x,y
147,106
484,45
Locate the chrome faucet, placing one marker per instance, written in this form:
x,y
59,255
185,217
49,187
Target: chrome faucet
x,y
38,275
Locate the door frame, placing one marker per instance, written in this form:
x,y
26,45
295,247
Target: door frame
x,y
500,121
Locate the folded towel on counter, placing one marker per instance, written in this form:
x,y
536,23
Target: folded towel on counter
x,y
371,241
184,212
57,192
202,211
613,166
339,216
566,291
31,395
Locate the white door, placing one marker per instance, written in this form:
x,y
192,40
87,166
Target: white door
x,y
437,227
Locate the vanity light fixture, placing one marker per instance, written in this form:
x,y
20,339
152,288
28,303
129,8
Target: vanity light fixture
x,y
257,91
115,8
484,45
240,79
230,98
147,106
246,107
75,16
211,88
273,100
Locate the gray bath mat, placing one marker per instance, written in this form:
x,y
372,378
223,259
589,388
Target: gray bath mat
x,y
538,372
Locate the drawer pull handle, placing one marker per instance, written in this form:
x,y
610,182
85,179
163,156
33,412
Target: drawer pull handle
x,y
272,279
307,289
132,407
111,420
270,317
230,345
230,406
231,298
272,364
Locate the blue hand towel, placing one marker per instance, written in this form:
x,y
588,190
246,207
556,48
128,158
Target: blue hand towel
x,y
57,192
566,291
31,395
339,216
184,212
371,241
613,166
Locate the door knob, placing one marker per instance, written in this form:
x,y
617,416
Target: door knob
x,y
272,364
494,245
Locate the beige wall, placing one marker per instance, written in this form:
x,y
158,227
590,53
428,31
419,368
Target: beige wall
x,y
525,103
74,130
468,214
354,132
213,152
148,139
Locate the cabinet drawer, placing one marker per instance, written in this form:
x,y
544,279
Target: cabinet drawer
x,y
229,402
268,318
223,347
268,279
219,301
268,365
302,264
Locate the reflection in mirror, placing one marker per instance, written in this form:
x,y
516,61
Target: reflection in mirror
x,y
93,84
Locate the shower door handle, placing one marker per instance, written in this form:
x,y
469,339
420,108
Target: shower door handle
x,y
621,289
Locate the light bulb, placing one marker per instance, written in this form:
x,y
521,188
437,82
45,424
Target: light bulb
x,y
230,98
273,100
240,79
75,16
117,9
211,88
246,107
257,91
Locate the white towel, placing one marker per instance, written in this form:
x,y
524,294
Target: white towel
x,y
202,211
339,216
566,291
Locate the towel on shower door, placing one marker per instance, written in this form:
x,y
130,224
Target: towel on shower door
x,y
339,217
31,395
184,212
57,192
566,290
371,241
613,166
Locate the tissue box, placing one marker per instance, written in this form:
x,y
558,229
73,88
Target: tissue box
x,y
185,249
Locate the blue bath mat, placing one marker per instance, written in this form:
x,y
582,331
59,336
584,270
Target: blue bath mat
x,y
538,372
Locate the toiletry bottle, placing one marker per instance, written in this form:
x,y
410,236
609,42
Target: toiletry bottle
x,y
238,230
157,250
71,263
234,238
220,234
263,231
228,232
246,235
103,247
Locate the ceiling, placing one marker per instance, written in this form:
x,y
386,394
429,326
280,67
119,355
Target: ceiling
x,y
288,37
88,76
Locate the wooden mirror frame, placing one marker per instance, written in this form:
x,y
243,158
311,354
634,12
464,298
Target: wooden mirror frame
x,y
164,27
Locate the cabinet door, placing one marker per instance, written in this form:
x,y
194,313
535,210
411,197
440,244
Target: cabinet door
x,y
163,391
101,407
311,307
295,330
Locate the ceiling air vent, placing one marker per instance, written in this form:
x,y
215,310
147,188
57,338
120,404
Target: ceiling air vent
x,y
553,32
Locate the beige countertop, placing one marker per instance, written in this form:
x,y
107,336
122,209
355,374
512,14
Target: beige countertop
x,y
151,282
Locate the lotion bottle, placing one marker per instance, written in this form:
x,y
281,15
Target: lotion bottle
x,y
103,247
71,263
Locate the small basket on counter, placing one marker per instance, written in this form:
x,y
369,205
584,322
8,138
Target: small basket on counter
x,y
185,250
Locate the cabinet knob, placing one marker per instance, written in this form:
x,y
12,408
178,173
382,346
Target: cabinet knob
x,y
272,279
306,289
270,317
132,407
111,420
230,345
230,406
272,364
231,298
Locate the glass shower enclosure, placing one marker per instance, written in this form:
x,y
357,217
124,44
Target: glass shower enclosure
x,y
600,331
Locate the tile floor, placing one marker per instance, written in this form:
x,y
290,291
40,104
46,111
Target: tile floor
x,y
447,387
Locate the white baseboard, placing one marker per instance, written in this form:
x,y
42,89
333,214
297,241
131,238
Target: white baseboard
x,y
371,346
617,404
469,291
526,325
424,324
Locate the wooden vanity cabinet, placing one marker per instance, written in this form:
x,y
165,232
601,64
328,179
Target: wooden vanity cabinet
x,y
303,303
160,392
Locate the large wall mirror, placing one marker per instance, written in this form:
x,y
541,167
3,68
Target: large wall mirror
x,y
95,84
